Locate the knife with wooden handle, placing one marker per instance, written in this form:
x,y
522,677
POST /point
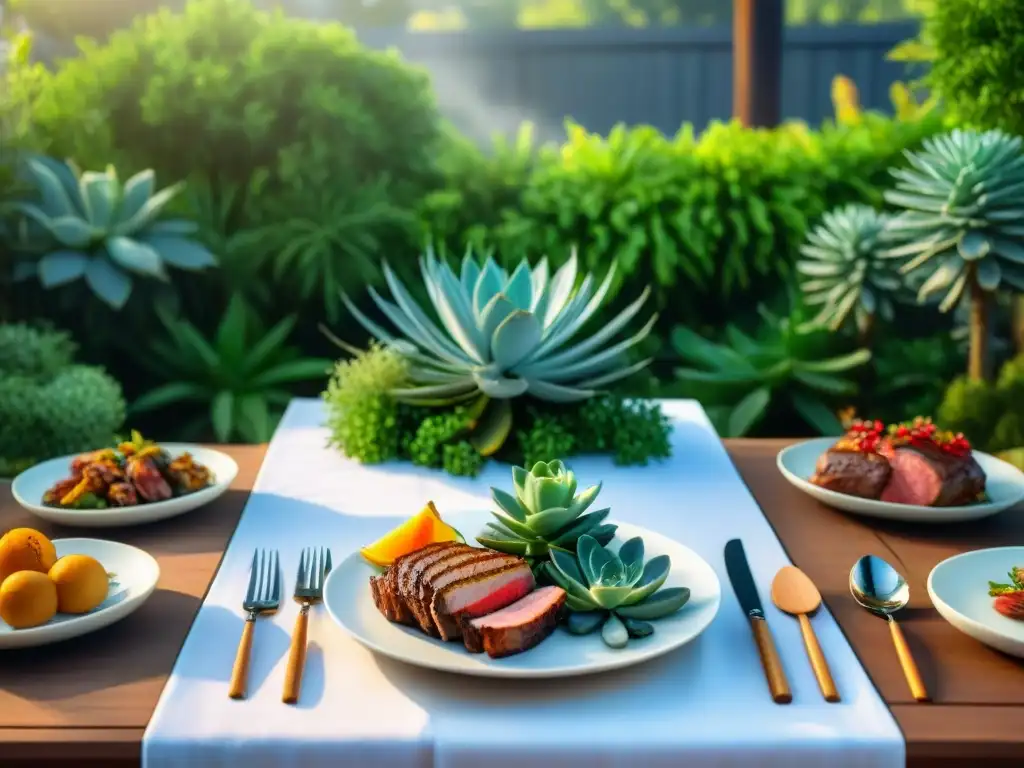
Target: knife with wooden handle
x,y
746,592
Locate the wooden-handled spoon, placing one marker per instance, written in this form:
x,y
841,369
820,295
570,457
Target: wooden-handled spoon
x,y
794,593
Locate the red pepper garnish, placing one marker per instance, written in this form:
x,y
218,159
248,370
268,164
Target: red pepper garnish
x,y
866,436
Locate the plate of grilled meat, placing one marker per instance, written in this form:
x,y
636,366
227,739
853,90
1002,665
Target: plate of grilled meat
x,y
453,604
911,471
129,483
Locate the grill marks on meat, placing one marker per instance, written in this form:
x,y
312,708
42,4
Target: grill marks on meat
x,y
929,477
852,472
442,587
479,595
516,628
922,475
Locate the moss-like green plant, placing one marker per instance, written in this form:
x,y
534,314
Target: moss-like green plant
x,y
48,405
369,425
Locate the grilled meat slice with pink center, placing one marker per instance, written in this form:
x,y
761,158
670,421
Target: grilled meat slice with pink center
x,y
515,628
462,565
408,578
927,476
478,596
488,563
854,473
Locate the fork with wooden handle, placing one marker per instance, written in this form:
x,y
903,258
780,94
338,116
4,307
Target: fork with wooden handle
x,y
314,565
262,596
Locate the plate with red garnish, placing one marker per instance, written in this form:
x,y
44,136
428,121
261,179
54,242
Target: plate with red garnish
x,y
912,471
981,593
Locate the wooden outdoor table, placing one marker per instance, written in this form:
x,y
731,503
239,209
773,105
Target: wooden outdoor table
x,y
87,702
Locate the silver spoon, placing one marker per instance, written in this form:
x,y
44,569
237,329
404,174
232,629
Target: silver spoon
x,y
881,589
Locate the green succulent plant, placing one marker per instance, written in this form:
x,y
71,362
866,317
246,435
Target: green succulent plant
x,y
741,379
545,513
614,591
504,335
961,224
241,375
842,270
90,226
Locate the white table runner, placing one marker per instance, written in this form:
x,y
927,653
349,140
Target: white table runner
x,y
704,705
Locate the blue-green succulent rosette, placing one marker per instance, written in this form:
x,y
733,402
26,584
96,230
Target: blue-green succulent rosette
x,y
616,592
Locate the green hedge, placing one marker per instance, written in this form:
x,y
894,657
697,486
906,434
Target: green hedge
x,y
709,221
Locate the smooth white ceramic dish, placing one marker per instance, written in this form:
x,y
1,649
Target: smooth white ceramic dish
x,y
348,601
958,588
135,575
28,489
1004,484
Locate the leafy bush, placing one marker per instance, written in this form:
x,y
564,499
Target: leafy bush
x,y
990,414
719,217
294,117
48,405
977,47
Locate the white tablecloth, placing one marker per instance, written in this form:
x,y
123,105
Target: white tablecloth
x,y
704,705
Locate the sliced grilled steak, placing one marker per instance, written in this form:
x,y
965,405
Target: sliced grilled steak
x,y
479,595
408,578
485,561
927,476
377,591
416,576
424,590
516,628
391,591
852,472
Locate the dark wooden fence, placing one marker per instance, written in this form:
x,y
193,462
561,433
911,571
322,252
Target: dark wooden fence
x,y
491,82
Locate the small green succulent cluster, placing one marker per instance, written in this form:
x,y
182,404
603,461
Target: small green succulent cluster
x,y
368,424
50,406
545,513
617,592
90,226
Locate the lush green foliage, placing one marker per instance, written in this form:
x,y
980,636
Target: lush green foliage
x,y
240,376
721,216
49,406
991,414
369,425
977,47
320,144
741,380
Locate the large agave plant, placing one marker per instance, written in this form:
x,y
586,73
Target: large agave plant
x,y
545,513
614,591
504,335
842,270
961,222
91,226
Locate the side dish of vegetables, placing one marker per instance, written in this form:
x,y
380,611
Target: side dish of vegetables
x,y
135,471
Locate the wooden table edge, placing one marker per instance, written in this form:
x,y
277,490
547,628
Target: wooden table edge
x,y
45,747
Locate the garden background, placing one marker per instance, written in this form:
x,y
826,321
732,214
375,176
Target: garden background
x,y
274,161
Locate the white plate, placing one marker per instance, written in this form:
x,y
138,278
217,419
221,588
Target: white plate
x,y
28,489
135,576
1004,484
958,588
348,600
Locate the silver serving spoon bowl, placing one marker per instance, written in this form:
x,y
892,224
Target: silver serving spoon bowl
x,y
881,589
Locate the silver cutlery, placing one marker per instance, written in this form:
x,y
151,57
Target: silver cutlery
x,y
263,596
882,590
314,565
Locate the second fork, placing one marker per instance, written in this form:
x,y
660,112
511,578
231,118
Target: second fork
x,y
314,565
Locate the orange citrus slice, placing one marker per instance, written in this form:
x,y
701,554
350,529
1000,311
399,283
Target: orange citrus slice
x,y
423,528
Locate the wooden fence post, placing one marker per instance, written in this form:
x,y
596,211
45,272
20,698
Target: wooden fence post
x,y
757,61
